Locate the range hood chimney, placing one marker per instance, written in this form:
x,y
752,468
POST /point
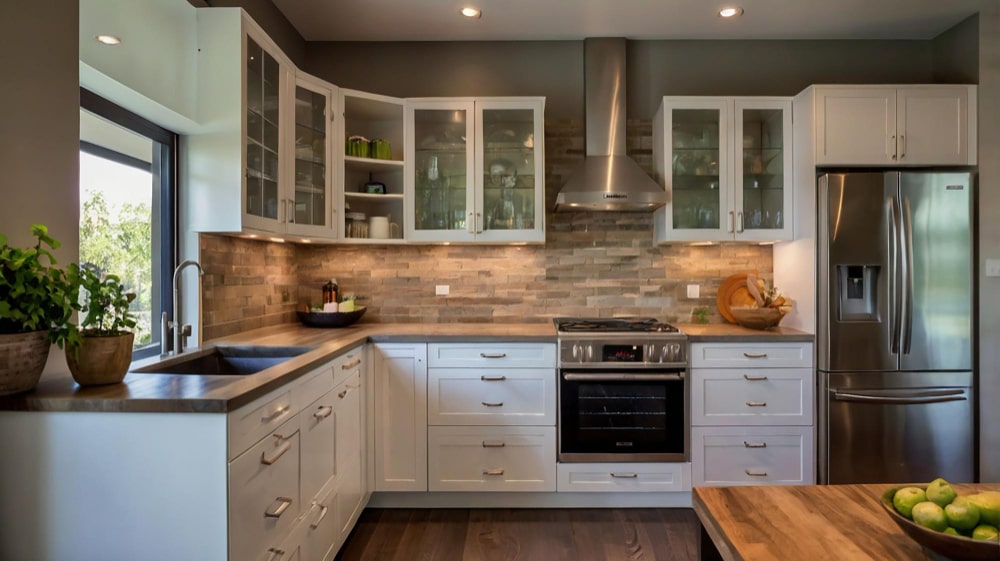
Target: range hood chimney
x,y
607,179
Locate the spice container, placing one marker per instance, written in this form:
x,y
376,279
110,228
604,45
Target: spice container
x,y
330,291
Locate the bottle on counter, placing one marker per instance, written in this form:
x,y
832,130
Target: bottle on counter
x,y
331,292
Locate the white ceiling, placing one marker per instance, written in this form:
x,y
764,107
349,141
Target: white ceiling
x,y
520,20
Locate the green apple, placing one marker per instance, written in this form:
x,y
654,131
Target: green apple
x,y
930,515
989,506
940,492
952,532
985,532
962,515
905,499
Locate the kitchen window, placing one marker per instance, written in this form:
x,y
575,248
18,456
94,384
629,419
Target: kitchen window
x,y
128,208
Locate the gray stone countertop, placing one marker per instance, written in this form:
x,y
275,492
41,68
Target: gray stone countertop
x,y
730,333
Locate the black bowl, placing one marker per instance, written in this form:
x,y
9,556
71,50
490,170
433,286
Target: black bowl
x,y
330,319
949,547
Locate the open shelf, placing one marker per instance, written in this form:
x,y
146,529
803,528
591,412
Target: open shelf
x,y
372,164
374,196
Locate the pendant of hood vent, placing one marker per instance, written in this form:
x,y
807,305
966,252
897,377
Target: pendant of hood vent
x,y
608,180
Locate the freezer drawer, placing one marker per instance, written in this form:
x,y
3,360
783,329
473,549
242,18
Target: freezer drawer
x,y
889,432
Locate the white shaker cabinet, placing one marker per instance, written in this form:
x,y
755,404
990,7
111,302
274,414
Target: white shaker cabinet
x,y
896,125
400,379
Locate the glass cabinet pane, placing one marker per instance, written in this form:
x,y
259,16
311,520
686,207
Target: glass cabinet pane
x,y
262,75
763,162
310,157
441,171
695,168
509,181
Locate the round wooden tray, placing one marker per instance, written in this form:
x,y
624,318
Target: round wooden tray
x,y
733,292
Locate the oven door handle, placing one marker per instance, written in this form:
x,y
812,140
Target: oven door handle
x,y
623,377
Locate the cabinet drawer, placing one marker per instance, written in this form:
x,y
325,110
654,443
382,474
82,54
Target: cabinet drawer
x,y
752,456
250,423
747,355
348,364
491,396
307,389
318,431
507,355
624,478
492,458
321,530
264,492
752,396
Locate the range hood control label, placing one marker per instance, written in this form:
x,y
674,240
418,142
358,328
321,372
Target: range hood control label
x,y
617,196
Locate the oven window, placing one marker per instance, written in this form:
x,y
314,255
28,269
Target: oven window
x,y
622,417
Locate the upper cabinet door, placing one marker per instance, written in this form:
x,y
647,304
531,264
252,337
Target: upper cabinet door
x,y
510,178
265,79
763,169
308,201
440,171
855,126
933,125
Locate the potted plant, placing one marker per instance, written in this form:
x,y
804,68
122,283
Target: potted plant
x,y
104,350
37,300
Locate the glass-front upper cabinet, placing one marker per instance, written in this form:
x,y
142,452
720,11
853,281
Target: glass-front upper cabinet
x,y
724,163
263,135
475,170
307,205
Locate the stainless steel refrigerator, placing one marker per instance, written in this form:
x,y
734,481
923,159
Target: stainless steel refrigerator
x,y
895,326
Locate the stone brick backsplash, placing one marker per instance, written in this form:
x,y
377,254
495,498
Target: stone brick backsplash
x,y
592,264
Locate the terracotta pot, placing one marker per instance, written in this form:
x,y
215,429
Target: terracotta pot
x,y
101,360
22,359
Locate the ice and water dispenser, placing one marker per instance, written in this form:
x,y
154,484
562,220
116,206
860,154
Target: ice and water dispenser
x,y
857,288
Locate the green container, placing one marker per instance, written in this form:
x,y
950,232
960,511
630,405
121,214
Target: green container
x,y
380,149
358,146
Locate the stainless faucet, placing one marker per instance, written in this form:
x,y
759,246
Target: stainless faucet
x,y
174,327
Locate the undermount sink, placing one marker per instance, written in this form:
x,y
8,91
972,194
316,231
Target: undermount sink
x,y
226,361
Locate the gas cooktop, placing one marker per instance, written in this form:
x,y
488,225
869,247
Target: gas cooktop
x,y
612,325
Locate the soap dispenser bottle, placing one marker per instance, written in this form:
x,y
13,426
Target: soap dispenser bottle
x,y
330,292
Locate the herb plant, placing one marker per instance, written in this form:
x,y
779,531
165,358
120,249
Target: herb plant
x,y
106,303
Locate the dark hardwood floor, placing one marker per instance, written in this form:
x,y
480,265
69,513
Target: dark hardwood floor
x,y
610,534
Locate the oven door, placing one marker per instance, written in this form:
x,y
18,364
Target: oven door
x,y
618,415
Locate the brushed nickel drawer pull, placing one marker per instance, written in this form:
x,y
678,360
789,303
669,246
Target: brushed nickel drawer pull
x,y
493,355
755,473
750,378
277,413
350,365
493,378
349,387
488,404
283,504
752,355
275,554
323,412
285,446
625,475
756,404
322,515
754,444
494,444
498,471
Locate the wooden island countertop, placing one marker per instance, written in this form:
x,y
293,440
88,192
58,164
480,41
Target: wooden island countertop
x,y
809,522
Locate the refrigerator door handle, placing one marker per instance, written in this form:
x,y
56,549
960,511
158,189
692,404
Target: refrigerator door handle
x,y
894,276
918,397
907,260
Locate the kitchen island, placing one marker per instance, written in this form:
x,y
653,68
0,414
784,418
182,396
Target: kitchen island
x,y
815,522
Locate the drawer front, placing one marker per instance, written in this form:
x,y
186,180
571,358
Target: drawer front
x,y
250,423
505,355
492,458
318,427
348,364
752,396
747,355
491,396
752,456
624,478
308,388
264,492
321,531
350,426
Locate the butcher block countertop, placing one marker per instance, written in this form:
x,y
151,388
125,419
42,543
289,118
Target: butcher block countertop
x,y
810,522
731,333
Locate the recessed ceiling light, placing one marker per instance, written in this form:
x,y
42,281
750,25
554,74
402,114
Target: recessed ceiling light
x,y
109,39
731,12
471,13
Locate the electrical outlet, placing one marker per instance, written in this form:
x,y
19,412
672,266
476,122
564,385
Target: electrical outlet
x,y
993,267
442,290
694,291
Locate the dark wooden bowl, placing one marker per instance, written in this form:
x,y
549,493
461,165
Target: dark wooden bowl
x,y
331,319
955,548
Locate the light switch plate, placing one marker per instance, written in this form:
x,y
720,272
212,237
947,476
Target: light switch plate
x,y
993,267
694,291
442,290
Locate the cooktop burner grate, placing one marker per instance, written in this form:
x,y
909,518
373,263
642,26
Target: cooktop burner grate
x,y
613,325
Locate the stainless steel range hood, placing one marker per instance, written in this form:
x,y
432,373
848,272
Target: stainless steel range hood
x,y
607,179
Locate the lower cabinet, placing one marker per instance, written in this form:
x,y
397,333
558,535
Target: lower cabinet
x,y
624,478
495,458
752,455
400,376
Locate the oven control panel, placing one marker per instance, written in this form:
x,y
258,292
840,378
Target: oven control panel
x,y
622,353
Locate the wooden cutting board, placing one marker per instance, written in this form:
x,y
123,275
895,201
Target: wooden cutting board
x,y
733,292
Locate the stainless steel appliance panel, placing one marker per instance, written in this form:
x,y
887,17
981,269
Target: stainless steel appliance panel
x,y
897,427
855,229
936,295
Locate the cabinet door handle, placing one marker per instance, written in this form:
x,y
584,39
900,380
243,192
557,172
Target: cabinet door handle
x,y
498,471
323,412
351,365
493,355
479,223
488,404
277,413
322,515
493,378
756,404
290,211
893,142
285,446
732,221
470,224
275,554
276,512
750,378
739,222
755,473
754,444
902,146
751,355
494,444
625,475
347,390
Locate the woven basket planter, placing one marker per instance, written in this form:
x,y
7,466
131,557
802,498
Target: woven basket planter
x,y
22,359
101,360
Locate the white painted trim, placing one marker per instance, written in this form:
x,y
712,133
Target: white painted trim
x,y
531,500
